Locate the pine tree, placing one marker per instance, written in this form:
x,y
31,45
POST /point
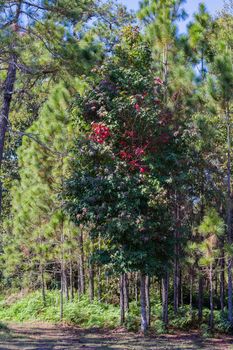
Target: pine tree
x,y
39,226
38,37
212,227
160,21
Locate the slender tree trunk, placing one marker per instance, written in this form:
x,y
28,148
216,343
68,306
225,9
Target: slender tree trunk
x,y
200,297
78,280
229,214
165,284
180,288
176,283
43,285
161,291
81,265
62,272
99,275
144,323
61,299
99,285
66,289
71,282
122,300
126,293
211,297
222,280
191,293
91,282
176,280
148,299
136,287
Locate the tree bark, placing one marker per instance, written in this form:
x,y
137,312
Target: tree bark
x,y
176,284
126,293
81,265
211,297
62,272
144,323
91,282
191,293
122,300
148,299
99,285
176,281
71,282
43,285
222,281
229,214
165,284
136,287
200,297
66,289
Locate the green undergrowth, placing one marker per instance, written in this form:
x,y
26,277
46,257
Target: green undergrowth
x,y
79,312
30,307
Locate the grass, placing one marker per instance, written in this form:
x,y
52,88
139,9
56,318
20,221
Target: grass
x,y
30,307
82,313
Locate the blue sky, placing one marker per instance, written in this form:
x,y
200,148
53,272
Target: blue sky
x,y
191,6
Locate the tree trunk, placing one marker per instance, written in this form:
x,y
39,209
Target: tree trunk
x,y
71,282
99,285
176,282
43,285
62,290
136,287
211,298
62,272
91,282
222,281
81,265
66,289
181,295
148,299
176,262
126,293
144,324
229,214
78,280
161,291
122,300
200,297
165,284
99,275
191,293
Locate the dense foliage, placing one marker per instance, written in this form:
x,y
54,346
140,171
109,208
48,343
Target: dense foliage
x,y
116,164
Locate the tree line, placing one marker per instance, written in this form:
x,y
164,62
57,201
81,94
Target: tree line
x,y
115,155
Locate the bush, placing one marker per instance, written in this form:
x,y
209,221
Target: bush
x,y
81,312
185,319
221,323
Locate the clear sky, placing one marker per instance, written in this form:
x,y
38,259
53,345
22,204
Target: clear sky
x,y
191,6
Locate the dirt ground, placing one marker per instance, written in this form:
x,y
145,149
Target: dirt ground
x,y
41,336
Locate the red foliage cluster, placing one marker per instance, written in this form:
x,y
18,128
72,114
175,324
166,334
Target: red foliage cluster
x,y
139,98
137,107
131,152
158,81
100,132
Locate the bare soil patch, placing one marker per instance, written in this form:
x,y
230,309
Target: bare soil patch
x,y
42,336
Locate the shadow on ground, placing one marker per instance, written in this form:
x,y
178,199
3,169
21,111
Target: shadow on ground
x,y
46,337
